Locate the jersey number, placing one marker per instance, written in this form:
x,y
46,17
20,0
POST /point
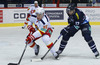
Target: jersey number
x,y
32,11
45,27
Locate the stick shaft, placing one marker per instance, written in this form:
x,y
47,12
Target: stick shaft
x,y
23,53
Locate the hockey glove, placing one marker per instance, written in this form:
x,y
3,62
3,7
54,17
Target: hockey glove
x,y
71,21
30,38
31,29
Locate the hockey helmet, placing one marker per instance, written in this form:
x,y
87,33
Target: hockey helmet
x,y
70,7
40,11
35,2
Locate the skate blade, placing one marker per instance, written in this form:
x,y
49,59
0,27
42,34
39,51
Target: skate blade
x,y
12,64
36,60
57,58
98,57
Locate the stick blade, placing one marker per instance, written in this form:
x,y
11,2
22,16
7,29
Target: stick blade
x,y
36,60
12,64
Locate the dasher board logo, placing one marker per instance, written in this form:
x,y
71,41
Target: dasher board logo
x,y
20,15
1,16
55,14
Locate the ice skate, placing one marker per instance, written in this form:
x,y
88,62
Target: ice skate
x,y
37,50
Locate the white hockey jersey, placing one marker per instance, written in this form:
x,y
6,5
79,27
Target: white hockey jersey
x,y
32,9
43,24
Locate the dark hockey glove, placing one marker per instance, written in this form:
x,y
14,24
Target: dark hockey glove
x,y
71,21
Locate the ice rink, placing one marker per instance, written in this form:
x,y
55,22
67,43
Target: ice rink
x,y
77,52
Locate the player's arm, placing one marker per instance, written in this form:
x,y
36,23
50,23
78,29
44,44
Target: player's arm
x,y
29,8
80,17
45,30
70,21
28,15
75,21
27,18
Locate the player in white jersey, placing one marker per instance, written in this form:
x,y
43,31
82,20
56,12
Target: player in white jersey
x,y
44,30
31,17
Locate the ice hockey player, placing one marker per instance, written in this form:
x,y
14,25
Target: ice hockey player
x,y
77,21
31,16
44,31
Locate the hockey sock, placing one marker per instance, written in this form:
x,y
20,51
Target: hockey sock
x,y
93,47
52,49
62,46
33,45
25,24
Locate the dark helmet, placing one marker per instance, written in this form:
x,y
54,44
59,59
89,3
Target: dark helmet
x,y
70,7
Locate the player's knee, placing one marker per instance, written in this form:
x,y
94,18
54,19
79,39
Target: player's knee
x,y
71,34
64,32
66,37
87,38
45,38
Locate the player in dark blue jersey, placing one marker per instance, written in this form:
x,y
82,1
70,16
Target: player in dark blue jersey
x,y
77,21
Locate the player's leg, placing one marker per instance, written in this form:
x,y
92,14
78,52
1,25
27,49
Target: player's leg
x,y
63,43
27,19
25,24
31,41
86,32
67,32
46,39
35,47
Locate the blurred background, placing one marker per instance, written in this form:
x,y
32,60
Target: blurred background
x,y
48,3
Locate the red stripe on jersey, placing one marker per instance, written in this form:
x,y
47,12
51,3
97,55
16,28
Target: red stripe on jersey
x,y
26,23
41,32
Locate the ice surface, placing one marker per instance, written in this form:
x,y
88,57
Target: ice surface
x,y
77,52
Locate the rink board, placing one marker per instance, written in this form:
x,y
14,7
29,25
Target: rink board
x,y
52,23
17,16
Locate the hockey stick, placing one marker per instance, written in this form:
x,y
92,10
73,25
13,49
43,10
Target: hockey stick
x,y
20,57
47,51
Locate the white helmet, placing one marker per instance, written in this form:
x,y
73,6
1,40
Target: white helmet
x,y
40,11
35,2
